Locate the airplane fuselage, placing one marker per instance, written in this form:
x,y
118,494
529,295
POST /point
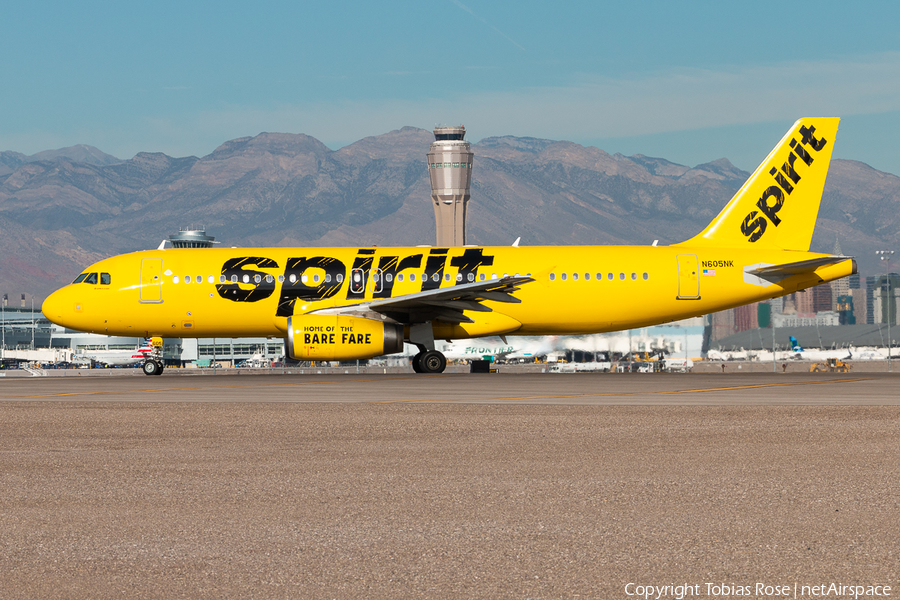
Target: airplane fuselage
x,y
578,289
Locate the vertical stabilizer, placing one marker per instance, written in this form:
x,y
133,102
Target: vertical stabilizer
x,y
778,204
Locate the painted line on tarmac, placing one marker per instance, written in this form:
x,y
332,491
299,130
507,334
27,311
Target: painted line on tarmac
x,y
189,389
615,394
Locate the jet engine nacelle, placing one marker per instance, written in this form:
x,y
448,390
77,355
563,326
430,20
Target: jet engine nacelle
x,y
341,337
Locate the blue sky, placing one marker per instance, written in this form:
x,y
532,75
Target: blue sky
x,y
691,82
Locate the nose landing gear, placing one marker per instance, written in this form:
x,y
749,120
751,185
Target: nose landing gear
x,y
152,367
153,363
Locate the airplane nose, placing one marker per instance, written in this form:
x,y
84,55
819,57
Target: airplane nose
x,y
54,307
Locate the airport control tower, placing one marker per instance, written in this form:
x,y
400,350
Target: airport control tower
x,y
450,167
192,237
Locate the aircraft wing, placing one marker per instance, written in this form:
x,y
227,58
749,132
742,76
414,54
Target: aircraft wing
x,y
442,304
776,273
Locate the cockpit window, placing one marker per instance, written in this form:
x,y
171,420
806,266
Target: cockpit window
x,y
80,278
91,279
105,279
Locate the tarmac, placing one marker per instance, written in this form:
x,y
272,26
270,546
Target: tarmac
x,y
449,486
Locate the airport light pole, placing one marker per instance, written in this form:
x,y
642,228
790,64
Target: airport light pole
x,y
886,257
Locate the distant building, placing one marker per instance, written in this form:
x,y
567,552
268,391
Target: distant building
x,y
870,301
860,306
822,298
844,307
839,287
804,302
746,317
886,291
822,319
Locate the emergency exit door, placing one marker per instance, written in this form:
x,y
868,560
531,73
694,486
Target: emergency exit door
x,y
688,277
151,281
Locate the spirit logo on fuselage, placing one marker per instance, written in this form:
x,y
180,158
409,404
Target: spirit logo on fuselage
x,y
773,198
244,283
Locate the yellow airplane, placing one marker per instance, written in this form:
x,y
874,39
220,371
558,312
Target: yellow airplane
x,y
352,303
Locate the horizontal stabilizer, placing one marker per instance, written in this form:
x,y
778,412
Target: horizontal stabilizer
x,y
776,273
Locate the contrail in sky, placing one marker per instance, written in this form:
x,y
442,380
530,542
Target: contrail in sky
x,y
469,10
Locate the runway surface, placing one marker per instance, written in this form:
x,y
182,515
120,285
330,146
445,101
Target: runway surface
x,y
574,388
505,486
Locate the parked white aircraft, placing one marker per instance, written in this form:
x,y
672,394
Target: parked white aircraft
x,y
117,358
522,348
799,353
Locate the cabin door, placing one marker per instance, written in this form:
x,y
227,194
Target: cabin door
x,y
151,281
688,277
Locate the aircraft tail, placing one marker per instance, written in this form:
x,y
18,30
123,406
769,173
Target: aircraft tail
x,y
795,345
777,206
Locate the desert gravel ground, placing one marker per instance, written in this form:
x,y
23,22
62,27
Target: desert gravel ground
x,y
256,499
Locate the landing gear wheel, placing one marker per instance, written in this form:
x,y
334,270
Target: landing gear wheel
x,y
432,362
151,367
417,367
161,368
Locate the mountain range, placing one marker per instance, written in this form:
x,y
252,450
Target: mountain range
x,y
61,210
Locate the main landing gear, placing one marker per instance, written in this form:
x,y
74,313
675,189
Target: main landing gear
x,y
153,367
429,361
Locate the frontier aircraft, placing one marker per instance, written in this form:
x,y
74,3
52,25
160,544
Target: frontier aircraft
x,y
357,303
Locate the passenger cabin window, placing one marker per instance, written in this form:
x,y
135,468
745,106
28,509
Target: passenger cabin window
x,y
80,278
91,279
187,278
